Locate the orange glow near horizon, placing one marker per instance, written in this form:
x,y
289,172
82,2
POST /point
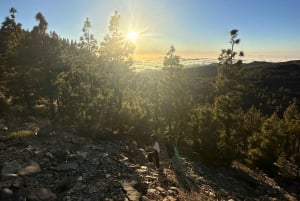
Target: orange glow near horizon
x,y
148,56
159,55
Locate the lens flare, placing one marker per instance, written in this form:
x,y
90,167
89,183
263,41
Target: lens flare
x,y
132,36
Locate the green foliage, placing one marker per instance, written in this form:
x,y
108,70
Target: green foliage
x,y
229,87
251,123
43,24
274,85
88,40
205,133
12,35
174,96
172,61
277,137
115,53
291,128
264,147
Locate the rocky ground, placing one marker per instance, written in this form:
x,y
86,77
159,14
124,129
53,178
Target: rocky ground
x,y
62,166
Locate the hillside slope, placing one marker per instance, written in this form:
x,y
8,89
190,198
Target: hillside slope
x,y
63,166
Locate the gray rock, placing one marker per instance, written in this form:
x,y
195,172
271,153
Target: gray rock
x,y
10,168
211,194
30,169
9,177
151,191
2,125
50,155
132,194
175,189
170,192
6,194
41,194
145,198
142,169
169,198
160,189
13,193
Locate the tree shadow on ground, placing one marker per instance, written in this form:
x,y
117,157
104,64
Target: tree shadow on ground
x,y
290,185
185,180
236,183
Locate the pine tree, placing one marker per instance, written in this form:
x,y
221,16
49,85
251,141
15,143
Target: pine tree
x,y
291,128
174,96
229,87
205,134
88,40
264,147
116,55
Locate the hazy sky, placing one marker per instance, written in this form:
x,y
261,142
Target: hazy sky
x,y
197,28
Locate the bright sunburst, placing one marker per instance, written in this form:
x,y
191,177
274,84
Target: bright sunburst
x,y
132,35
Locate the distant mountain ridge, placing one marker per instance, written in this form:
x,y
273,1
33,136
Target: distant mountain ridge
x,y
272,83
140,65
251,64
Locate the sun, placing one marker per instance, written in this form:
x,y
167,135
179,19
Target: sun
x,y
132,36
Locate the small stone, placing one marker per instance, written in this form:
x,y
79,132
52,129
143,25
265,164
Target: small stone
x,y
132,194
151,191
169,198
80,178
144,198
170,192
175,189
9,177
30,169
41,194
212,194
141,170
50,155
160,189
10,168
6,194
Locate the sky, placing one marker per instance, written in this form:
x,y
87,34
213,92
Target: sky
x,y
269,30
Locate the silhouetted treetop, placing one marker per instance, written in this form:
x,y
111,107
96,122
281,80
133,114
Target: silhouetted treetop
x,y
114,22
43,24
